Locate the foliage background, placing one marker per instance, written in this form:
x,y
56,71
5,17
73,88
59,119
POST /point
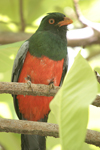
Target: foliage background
x,y
24,16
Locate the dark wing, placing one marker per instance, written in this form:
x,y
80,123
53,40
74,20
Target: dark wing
x,y
27,141
65,67
18,64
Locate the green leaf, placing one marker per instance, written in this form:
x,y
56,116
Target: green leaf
x,y
70,105
7,56
12,141
8,52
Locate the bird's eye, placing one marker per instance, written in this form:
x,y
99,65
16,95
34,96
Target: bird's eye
x,y
51,21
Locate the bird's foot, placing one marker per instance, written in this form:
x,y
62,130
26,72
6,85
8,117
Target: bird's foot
x,y
29,83
51,85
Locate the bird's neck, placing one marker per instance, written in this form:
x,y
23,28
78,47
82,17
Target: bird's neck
x,y
49,44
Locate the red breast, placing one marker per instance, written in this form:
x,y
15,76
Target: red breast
x,y
41,71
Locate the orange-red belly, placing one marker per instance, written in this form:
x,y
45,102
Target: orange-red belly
x,y
41,71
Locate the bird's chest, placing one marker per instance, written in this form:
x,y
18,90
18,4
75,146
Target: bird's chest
x,y
41,70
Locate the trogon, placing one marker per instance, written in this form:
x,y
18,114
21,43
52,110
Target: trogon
x,y
42,59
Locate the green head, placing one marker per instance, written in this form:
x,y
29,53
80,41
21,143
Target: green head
x,y
55,22
50,38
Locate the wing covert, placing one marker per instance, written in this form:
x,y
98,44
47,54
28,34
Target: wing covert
x,y
18,64
65,68
19,60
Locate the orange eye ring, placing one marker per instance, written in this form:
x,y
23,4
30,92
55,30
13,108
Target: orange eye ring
x,y
51,21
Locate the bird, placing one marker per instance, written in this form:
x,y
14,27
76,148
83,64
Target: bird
x,y
42,59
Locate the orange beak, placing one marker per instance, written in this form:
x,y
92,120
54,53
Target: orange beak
x,y
66,21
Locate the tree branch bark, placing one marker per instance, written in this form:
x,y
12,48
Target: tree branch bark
x,y
29,127
96,102
24,89
93,137
16,88
43,129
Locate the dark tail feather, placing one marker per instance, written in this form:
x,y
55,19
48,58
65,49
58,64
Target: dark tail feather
x,y
33,142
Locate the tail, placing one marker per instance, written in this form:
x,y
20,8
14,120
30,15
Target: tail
x,y
34,142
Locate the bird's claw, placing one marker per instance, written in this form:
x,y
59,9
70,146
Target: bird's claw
x,y
29,84
51,86
28,79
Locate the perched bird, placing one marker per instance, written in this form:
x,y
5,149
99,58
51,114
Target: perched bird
x,y
42,59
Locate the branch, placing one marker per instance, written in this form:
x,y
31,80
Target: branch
x,y
35,89
83,20
2,147
10,37
85,36
77,11
98,76
96,102
21,15
43,129
29,127
93,137
24,89
88,35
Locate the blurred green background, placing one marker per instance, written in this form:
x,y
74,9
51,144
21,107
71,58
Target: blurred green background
x,y
20,19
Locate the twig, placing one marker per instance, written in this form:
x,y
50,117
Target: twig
x,y
93,137
77,11
21,15
2,147
96,102
83,20
43,129
93,28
